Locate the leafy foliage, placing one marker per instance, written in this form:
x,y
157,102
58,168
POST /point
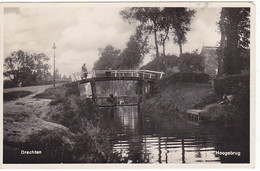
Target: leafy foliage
x,y
162,63
26,69
13,95
130,58
85,133
179,20
160,21
191,62
235,29
107,59
149,19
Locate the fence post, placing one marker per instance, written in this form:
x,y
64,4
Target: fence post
x,y
93,73
75,77
161,74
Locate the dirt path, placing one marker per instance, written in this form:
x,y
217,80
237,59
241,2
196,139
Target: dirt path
x,y
34,89
25,116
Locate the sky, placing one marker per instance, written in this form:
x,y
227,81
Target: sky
x,y
79,32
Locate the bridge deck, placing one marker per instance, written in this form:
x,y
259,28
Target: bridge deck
x,y
112,79
110,75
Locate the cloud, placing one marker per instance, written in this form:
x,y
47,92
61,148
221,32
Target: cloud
x,y
204,29
79,32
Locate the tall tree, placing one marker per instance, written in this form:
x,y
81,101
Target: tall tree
x,y
180,19
165,26
108,58
222,44
25,68
148,17
235,39
132,56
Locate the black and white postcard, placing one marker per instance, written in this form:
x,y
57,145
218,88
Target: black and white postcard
x,y
127,85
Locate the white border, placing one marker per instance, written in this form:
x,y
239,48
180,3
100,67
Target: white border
x,y
150,4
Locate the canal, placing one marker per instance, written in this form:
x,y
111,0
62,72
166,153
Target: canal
x,y
138,138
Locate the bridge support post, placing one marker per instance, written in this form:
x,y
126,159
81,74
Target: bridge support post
x,y
94,93
143,91
139,92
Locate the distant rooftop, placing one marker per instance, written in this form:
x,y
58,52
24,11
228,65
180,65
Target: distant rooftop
x,y
209,47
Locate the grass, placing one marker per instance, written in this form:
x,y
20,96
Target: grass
x,y
177,98
14,95
173,99
55,146
88,140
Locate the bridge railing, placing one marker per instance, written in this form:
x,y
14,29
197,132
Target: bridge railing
x,y
129,73
78,75
145,74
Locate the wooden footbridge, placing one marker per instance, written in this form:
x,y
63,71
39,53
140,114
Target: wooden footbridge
x,y
143,78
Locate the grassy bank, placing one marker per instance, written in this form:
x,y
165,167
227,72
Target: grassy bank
x,y
173,98
176,98
15,95
83,140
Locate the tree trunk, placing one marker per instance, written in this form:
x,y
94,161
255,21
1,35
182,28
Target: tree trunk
x,y
180,45
222,45
164,40
156,43
163,48
232,61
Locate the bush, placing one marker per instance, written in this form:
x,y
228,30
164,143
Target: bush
x,y
191,62
190,77
231,84
71,89
15,95
53,146
239,87
162,63
9,84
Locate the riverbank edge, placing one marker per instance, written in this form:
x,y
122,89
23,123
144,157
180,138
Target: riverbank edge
x,y
174,98
81,131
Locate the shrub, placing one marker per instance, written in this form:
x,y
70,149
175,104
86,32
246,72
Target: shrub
x,y
191,62
9,84
239,87
71,89
15,95
55,145
231,84
162,63
190,77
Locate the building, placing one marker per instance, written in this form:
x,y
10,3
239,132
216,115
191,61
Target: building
x,y
210,60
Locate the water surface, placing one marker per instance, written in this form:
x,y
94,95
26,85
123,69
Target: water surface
x,y
140,139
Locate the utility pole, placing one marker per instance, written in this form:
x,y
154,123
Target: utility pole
x,y
54,47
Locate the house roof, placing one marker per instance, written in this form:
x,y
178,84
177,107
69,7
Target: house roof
x,y
209,50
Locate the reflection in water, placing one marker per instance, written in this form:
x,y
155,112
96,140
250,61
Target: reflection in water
x,y
142,141
128,117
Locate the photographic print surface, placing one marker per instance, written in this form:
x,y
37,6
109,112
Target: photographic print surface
x,y
127,83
